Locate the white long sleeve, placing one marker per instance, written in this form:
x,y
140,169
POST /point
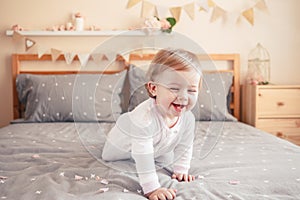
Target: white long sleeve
x,y
143,136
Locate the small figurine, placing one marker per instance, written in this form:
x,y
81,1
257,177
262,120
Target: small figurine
x,y
17,27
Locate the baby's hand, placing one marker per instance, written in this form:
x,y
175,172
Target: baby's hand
x,y
183,177
162,194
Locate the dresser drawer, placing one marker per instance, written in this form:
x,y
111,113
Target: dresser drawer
x,y
278,102
284,128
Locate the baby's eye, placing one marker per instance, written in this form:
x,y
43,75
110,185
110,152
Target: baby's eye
x,y
192,90
174,89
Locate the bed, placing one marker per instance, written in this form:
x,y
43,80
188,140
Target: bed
x,y
55,152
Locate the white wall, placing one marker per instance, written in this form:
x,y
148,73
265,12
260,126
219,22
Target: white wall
x,y
278,31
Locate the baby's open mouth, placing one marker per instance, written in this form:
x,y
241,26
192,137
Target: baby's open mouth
x,y
178,107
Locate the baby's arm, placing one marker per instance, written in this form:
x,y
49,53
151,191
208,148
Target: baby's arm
x,y
142,153
181,167
183,153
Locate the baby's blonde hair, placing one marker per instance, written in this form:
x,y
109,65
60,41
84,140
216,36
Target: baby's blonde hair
x,y
176,59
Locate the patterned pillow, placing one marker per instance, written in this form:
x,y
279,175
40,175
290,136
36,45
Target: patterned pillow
x,y
60,98
138,92
213,100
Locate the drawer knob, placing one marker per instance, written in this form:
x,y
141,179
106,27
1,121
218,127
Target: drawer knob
x,y
279,134
280,103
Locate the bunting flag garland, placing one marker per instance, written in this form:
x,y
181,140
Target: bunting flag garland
x,y
261,5
41,51
210,3
29,43
150,9
83,58
248,14
55,53
203,5
217,13
69,57
132,3
110,56
176,12
190,10
97,57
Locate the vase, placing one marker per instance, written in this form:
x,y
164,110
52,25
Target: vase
x,y
79,24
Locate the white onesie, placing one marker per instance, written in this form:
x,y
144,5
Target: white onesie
x,y
143,135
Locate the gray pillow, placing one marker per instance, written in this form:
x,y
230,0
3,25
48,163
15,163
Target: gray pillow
x,y
61,98
138,92
213,100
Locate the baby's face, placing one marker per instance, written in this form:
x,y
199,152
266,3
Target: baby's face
x,y
177,91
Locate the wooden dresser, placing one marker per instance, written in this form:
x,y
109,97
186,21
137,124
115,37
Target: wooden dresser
x,y
274,109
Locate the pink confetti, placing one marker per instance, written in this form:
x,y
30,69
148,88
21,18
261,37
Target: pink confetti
x,y
125,190
35,156
200,177
234,182
104,181
101,190
93,176
38,192
77,178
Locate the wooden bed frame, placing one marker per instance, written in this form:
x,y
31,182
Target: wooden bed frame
x,y
18,58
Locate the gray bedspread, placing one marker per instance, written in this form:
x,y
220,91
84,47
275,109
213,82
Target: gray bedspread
x,y
62,161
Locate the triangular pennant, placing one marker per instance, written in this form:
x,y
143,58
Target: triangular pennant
x,y
83,58
41,51
111,56
202,9
55,53
17,36
176,12
261,5
210,3
248,14
132,3
203,5
217,13
190,10
69,57
104,57
148,9
97,57
29,43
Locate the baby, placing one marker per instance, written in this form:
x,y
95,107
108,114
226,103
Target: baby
x,y
160,129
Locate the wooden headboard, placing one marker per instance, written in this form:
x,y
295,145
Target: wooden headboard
x,y
234,59
18,58
17,69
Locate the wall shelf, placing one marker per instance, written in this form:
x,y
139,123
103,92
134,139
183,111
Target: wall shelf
x,y
85,33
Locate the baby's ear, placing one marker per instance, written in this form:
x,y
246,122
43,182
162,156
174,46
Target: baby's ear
x,y
151,88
